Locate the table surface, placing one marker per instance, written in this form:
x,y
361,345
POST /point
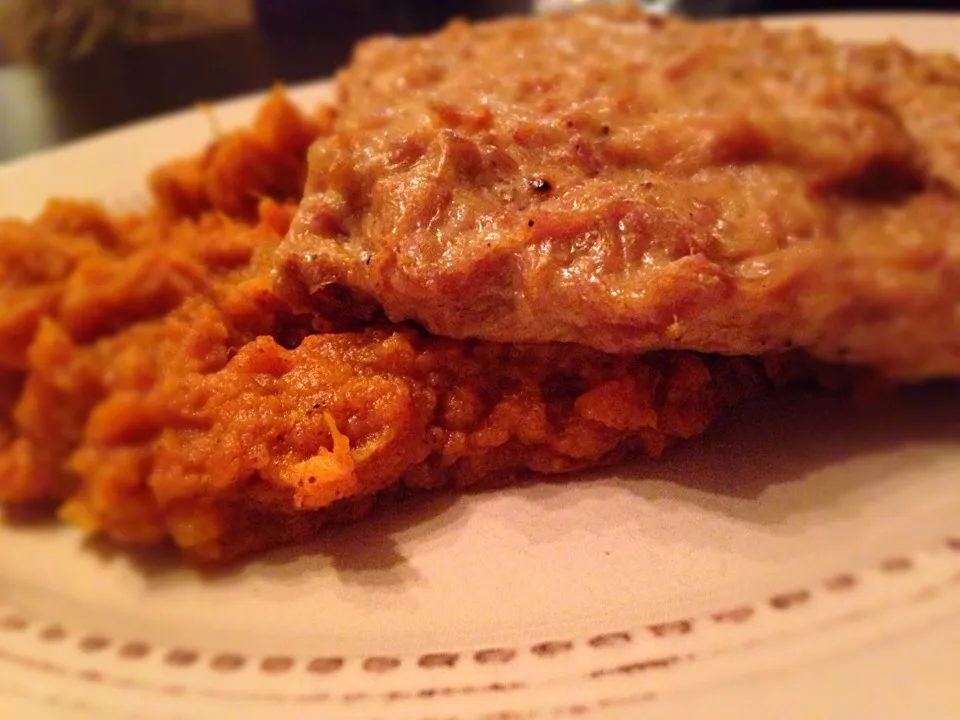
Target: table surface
x,y
40,108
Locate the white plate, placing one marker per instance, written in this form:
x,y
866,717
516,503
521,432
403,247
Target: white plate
x,y
802,562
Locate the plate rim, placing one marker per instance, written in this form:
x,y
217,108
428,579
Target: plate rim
x,y
893,567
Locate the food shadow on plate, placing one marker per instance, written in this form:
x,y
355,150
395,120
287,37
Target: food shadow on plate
x,y
779,443
729,472
364,553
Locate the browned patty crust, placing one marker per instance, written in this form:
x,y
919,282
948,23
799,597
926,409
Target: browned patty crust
x,y
628,183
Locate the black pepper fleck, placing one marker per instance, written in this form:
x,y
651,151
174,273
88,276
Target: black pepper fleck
x,y
540,184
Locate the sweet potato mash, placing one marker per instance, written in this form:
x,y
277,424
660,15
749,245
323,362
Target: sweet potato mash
x,y
153,387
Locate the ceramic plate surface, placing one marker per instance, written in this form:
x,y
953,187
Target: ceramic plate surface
x,y
802,561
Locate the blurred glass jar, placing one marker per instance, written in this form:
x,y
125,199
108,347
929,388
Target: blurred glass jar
x,y
49,31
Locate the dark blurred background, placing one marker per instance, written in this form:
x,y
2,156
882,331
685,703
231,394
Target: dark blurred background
x,y
69,68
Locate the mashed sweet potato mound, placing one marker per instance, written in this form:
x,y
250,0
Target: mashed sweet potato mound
x,y
153,388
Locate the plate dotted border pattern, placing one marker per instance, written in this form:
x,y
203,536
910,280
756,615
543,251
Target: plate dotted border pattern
x,y
45,647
